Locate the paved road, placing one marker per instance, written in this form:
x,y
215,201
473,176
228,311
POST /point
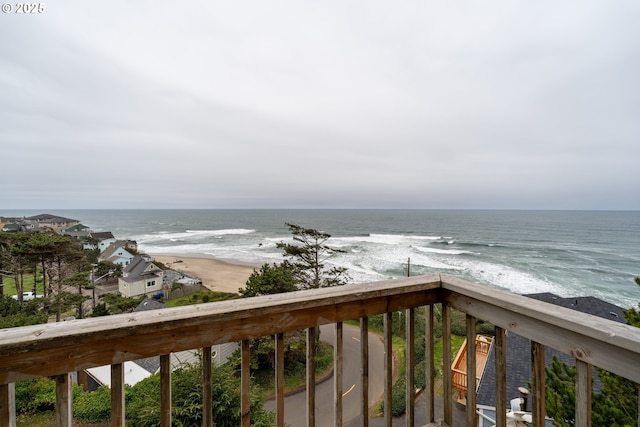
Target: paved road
x,y
295,405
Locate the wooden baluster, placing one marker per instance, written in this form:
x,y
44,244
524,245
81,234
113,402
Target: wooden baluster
x,y
500,344
538,383
8,405
446,364
64,414
207,394
337,377
388,368
280,380
583,393
165,390
429,361
245,379
364,363
410,366
311,377
117,395
471,372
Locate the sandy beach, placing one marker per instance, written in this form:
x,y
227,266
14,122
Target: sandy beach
x,y
216,275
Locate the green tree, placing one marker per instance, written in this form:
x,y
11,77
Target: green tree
x,y
118,304
615,404
270,279
13,261
14,314
309,254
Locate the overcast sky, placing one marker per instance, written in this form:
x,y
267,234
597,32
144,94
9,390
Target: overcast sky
x,y
321,104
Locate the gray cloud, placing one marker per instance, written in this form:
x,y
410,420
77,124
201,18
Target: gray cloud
x,y
332,104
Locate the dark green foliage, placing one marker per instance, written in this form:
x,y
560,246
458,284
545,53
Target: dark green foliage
x,y
143,400
100,310
561,393
398,397
617,403
93,407
270,279
12,314
38,395
107,268
118,304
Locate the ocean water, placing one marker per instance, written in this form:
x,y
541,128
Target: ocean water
x,y
570,253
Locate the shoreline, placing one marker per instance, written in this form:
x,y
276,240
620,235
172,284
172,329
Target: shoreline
x,y
218,275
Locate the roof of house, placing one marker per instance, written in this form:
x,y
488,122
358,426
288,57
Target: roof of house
x,y
102,235
48,218
518,363
76,227
112,248
138,269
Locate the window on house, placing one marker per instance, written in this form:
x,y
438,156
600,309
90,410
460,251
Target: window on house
x,y
151,283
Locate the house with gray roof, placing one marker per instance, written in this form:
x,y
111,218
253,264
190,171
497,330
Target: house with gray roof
x,y
117,253
140,277
518,360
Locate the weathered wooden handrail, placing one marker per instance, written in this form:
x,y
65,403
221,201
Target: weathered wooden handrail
x,y
56,349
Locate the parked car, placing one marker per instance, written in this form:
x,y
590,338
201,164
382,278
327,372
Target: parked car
x,y
27,296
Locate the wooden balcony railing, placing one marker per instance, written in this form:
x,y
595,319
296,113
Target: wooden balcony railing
x,y
57,349
459,365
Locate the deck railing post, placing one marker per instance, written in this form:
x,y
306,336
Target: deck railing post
x,y
245,387
446,364
117,395
583,393
388,368
410,365
429,361
500,343
471,371
337,375
538,383
311,376
165,390
64,414
8,405
364,372
207,396
280,380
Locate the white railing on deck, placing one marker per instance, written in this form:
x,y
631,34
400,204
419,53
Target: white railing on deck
x,y
57,349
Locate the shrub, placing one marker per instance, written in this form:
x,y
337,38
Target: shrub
x,y
93,407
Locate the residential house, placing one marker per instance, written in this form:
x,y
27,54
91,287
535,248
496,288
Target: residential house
x,y
99,240
519,354
77,231
11,227
53,222
117,254
140,277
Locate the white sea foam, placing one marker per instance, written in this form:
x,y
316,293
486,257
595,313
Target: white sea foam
x,y
191,235
442,251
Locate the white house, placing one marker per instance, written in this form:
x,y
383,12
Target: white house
x,y
140,277
117,254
